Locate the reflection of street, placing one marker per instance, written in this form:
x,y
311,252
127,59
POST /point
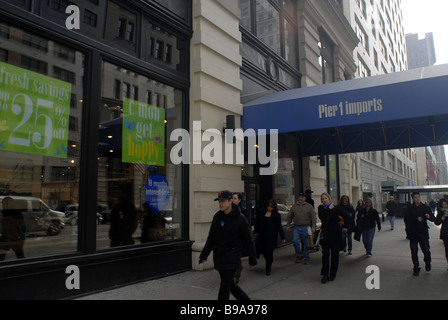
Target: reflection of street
x,y
40,244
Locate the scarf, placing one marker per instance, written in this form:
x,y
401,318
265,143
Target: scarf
x,y
327,206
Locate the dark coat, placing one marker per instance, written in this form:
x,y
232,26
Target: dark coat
x,y
267,230
367,219
228,234
392,208
350,212
333,221
415,228
438,221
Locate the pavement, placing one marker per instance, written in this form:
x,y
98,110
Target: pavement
x,y
297,281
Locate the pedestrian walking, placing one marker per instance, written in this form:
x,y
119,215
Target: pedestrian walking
x,y
345,205
359,206
237,201
309,199
303,216
229,233
367,219
392,209
333,225
442,219
268,227
415,219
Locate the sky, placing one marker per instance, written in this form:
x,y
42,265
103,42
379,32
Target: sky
x,y
428,16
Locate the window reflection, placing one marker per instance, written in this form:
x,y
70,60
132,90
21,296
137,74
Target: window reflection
x,y
139,189
268,25
40,144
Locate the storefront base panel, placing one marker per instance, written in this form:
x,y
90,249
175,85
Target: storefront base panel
x,y
52,279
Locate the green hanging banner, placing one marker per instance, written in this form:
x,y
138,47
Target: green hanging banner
x,y
34,112
143,133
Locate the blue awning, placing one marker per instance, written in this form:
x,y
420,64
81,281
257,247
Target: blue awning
x,y
397,110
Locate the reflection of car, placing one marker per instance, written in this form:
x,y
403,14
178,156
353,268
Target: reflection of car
x,y
71,214
283,210
37,214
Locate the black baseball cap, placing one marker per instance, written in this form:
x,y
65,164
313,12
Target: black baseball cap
x,y
308,191
224,195
301,194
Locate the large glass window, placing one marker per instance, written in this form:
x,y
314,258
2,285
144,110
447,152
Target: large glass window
x,y
139,188
326,59
272,22
268,25
41,95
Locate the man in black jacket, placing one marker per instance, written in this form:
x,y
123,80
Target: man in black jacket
x,y
392,208
229,232
415,219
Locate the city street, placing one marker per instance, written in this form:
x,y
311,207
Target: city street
x,y
291,281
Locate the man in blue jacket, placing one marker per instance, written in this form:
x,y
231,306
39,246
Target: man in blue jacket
x,y
229,233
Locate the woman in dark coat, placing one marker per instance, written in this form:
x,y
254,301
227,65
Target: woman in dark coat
x,y
345,205
269,224
442,219
334,222
367,219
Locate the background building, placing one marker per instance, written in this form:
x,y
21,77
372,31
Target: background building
x,y
421,52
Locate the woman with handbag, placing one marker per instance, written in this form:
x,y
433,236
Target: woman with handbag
x,y
367,218
333,226
268,226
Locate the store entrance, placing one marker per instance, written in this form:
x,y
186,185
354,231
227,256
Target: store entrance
x,y
257,191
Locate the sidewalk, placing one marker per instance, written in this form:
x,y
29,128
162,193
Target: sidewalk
x,y
291,281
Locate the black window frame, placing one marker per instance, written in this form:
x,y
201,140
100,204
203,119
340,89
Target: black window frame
x,y
95,53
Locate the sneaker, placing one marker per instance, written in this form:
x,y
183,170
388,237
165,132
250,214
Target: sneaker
x,y
349,253
298,259
324,279
416,272
428,267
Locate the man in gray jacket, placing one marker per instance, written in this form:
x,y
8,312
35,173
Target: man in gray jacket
x,y
303,216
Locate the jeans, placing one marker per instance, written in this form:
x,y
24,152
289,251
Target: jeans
x,y
347,238
300,241
392,222
367,239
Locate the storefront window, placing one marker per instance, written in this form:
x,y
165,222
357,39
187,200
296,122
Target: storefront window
x,y
41,95
139,189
